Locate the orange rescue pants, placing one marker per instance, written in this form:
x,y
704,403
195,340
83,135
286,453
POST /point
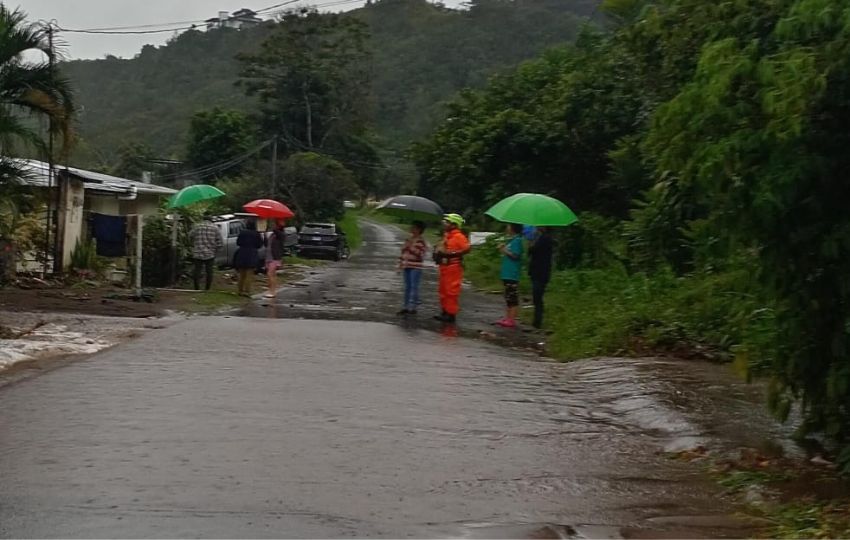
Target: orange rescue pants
x,y
451,279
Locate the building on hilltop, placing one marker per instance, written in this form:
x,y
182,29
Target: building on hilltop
x,y
244,18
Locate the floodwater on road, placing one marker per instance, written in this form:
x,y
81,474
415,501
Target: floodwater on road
x,y
316,417
368,288
236,427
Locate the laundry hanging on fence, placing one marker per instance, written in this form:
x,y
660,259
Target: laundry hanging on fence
x,y
111,235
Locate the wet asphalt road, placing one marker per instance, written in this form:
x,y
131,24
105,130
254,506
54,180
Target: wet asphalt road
x,y
288,427
368,288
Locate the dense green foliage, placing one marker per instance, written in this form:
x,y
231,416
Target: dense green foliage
x,y
31,92
351,229
707,145
312,79
548,127
134,158
32,96
761,133
422,54
318,185
151,98
219,135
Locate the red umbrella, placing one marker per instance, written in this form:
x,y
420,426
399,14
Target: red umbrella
x,y
267,208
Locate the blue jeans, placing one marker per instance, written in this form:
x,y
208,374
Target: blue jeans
x,y
412,279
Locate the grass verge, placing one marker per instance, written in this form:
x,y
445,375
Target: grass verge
x,y
609,311
790,499
212,301
303,261
351,228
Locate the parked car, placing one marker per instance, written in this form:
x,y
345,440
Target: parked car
x,y
480,238
322,239
349,204
230,225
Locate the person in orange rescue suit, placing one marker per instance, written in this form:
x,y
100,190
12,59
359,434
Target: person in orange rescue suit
x,y
448,254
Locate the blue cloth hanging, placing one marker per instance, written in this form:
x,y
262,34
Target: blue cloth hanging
x,y
111,235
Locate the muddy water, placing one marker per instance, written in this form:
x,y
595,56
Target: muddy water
x,y
679,405
237,427
344,425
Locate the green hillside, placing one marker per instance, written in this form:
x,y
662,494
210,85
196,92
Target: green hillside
x,y
423,54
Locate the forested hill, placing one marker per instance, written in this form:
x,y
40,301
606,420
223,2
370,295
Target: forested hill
x,y
423,54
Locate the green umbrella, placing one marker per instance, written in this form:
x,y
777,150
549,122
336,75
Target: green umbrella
x,y
532,209
192,194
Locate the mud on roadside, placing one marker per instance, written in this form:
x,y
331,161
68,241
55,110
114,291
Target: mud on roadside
x,y
36,342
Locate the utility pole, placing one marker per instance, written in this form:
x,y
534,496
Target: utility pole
x,y
61,183
274,167
50,175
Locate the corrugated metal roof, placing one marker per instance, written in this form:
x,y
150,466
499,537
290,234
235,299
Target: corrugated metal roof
x,y
37,176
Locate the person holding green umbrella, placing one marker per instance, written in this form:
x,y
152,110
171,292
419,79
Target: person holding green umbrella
x,y
194,194
540,252
206,241
542,212
510,273
532,209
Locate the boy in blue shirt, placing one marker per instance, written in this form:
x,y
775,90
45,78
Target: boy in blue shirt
x,y
511,269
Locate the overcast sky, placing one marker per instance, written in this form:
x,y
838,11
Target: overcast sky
x,y
84,14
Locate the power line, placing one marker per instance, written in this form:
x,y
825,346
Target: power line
x,y
159,28
215,168
277,6
126,32
133,27
339,157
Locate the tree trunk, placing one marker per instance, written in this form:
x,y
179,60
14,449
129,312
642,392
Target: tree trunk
x,y
8,261
309,111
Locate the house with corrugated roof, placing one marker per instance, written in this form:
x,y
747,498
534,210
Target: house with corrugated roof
x,y
77,194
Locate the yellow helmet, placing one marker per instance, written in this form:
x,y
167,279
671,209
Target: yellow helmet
x,y
454,219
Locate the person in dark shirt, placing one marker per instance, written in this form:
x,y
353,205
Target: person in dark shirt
x,y
247,256
540,269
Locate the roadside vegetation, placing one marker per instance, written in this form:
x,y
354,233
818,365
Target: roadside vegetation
x,y
351,228
788,499
704,147
31,94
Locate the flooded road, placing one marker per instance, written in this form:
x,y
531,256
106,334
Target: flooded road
x,y
235,427
300,427
368,288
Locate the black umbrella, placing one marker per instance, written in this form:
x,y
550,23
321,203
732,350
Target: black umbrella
x,y
411,207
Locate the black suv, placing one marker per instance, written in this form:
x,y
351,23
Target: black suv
x,y
322,239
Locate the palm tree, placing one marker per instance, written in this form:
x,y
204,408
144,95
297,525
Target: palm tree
x,y
29,89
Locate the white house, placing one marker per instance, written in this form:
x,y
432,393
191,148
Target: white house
x,y
83,192
243,18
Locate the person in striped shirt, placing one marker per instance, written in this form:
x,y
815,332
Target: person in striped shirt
x,y
411,262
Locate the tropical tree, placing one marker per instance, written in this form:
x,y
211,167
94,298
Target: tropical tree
x,y
318,185
218,135
30,88
760,134
550,126
312,78
134,158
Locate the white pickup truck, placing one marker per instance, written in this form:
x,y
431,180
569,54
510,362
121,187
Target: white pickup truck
x,y
230,225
